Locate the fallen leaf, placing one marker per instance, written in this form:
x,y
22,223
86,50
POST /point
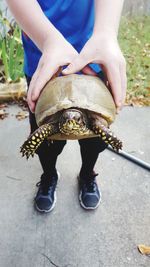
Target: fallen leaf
x,y
144,249
21,115
3,105
3,114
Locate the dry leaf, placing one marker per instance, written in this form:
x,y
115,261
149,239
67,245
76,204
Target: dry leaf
x,y
3,114
21,115
144,249
3,105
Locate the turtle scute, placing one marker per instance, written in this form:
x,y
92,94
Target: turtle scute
x,y
75,91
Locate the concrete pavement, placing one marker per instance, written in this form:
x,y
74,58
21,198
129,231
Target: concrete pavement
x,y
70,236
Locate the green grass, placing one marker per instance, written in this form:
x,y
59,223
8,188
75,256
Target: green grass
x,y
11,52
134,39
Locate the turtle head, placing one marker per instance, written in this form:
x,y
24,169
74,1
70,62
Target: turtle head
x,y
72,121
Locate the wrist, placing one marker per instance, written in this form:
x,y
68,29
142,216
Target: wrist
x,y
51,39
104,35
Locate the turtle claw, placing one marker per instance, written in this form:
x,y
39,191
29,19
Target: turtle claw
x,y
35,140
117,145
27,149
25,152
107,136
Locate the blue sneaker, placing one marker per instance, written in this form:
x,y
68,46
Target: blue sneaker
x,y
45,199
89,195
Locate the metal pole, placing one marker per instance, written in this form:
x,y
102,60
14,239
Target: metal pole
x,y
134,159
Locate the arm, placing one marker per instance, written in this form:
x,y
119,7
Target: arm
x,y
56,51
31,19
107,16
103,48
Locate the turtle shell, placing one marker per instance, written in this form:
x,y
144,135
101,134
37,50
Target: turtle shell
x,y
78,91
82,91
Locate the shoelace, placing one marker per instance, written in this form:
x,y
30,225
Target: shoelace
x,y
90,184
46,186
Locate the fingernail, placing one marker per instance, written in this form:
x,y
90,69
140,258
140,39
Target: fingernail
x,y
119,108
65,70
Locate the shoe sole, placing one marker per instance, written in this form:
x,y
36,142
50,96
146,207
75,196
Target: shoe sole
x,y
82,204
55,200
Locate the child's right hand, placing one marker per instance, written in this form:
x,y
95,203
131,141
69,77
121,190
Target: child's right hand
x,y
56,53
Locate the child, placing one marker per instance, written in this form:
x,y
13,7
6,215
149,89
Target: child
x,y
73,33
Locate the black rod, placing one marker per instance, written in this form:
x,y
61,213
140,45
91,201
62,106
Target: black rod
x,y
134,159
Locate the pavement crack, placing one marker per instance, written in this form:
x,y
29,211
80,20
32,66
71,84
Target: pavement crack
x,y
50,260
13,178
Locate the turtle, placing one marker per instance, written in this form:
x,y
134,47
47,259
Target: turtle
x,y
73,107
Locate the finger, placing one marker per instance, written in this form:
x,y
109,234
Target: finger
x,y
29,100
123,80
31,104
44,75
104,76
36,74
78,64
113,75
89,71
41,77
57,73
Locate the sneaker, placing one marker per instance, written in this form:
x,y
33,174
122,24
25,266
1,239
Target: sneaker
x,y
89,195
45,199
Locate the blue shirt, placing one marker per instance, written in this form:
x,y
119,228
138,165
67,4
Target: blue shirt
x,y
73,18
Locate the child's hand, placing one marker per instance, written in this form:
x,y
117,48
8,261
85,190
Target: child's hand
x,y
57,52
105,51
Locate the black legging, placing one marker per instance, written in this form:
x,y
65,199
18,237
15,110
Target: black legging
x,y
48,152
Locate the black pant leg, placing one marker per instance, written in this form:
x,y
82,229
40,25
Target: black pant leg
x,y
90,149
47,151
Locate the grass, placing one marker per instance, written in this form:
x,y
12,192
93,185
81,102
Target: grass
x,y
134,39
11,52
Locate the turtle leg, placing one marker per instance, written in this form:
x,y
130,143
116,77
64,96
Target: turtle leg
x,y
35,139
107,135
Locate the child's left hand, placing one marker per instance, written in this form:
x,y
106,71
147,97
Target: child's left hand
x,y
104,50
